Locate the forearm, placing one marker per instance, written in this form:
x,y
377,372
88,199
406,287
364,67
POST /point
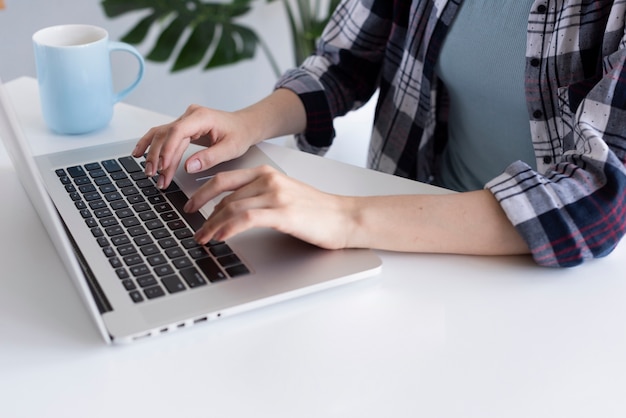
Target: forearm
x,y
280,113
464,223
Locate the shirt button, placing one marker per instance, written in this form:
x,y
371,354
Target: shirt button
x,y
547,160
542,8
535,62
537,114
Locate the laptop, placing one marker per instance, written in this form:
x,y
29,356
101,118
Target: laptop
x,y
129,248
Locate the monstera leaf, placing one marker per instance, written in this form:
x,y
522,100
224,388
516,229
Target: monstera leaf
x,y
192,29
196,32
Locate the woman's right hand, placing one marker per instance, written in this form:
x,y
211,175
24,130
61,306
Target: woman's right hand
x,y
225,135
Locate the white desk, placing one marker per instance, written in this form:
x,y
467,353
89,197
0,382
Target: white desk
x,y
432,336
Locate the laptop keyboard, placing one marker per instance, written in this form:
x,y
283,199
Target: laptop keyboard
x,y
143,231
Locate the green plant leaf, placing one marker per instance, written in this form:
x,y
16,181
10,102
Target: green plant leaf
x,y
167,41
196,46
114,8
206,20
137,34
228,51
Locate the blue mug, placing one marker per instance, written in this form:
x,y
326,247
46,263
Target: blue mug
x,y
74,74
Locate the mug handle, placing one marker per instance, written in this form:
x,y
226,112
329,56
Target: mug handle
x,y
121,46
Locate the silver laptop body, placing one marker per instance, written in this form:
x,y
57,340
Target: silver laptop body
x,y
267,266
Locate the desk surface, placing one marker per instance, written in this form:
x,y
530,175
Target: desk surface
x,y
432,336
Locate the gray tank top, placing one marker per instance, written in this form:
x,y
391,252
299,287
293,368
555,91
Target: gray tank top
x,y
482,65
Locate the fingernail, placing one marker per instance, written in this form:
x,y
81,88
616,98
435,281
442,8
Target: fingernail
x,y
187,207
193,166
149,172
135,151
161,182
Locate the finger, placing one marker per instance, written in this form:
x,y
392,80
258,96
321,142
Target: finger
x,y
164,141
154,153
235,218
144,142
167,172
218,152
226,181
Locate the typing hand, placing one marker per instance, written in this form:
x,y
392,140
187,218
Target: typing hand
x,y
264,197
223,133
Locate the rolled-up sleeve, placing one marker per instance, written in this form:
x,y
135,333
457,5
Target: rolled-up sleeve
x,y
576,210
343,73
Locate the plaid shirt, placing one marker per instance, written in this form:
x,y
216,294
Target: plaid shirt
x,y
573,207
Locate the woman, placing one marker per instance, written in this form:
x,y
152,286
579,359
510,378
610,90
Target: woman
x,y
526,98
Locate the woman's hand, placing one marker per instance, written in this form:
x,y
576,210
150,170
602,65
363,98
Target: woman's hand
x,y
459,223
224,133
264,197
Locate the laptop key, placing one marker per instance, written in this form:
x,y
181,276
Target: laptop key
x,y
229,260
92,196
189,243
182,263
153,292
92,166
122,273
197,253
138,176
120,240
182,233
156,260
115,262
173,284
163,270
128,284
136,296
119,204
220,250
76,171
142,240
130,222
110,197
136,231
139,270
111,166
82,181
102,213
178,199
126,249
129,164
211,269
97,173
132,259
146,281
119,175
149,250
238,270
193,277
174,252
123,183
87,187
101,181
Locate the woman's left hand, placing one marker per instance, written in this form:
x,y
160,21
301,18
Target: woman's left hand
x,y
264,197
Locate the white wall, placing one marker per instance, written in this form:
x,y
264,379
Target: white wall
x,y
225,88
